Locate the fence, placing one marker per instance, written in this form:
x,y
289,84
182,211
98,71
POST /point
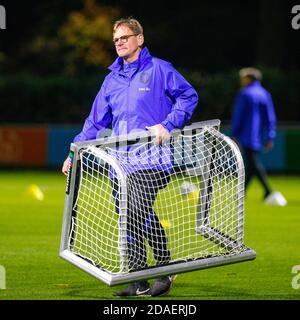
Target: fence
x,y
47,146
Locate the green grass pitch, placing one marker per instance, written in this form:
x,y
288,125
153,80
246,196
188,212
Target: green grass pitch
x,y
30,237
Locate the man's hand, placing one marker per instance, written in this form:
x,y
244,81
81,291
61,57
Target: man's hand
x,y
160,132
268,146
65,166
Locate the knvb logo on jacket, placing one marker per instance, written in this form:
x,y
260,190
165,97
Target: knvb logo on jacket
x,y
2,17
145,77
296,19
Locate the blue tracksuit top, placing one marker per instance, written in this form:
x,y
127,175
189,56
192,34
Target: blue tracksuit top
x,y
143,93
254,119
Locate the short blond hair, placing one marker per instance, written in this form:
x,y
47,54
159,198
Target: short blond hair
x,y
251,73
131,23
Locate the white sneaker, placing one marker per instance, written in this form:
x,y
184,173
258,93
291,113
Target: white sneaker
x,y
276,198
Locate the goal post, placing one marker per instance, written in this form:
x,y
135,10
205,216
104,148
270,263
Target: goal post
x,y
135,210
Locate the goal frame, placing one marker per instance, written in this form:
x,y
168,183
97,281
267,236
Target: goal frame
x,y
202,226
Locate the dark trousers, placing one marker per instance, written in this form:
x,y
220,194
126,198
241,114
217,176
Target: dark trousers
x,y
254,167
142,222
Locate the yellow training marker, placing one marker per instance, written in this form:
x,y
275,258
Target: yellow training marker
x,y
166,223
34,192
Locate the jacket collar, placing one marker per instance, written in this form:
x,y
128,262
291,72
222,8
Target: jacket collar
x,y
144,56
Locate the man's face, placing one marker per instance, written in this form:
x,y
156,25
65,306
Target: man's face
x,y
244,81
127,48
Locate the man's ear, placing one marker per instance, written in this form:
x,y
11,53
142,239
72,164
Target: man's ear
x,y
140,39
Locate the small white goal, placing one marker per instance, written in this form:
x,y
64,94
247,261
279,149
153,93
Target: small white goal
x,y
137,210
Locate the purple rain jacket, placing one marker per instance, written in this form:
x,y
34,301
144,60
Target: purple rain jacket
x,y
254,119
143,93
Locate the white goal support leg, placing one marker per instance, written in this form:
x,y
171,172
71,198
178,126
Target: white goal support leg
x,y
135,210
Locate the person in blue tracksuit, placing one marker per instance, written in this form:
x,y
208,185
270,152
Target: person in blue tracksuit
x,y
140,93
254,125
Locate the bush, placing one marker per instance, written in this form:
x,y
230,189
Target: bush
x,y
52,99
217,91
63,99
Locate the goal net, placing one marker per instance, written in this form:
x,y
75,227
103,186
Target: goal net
x,y
138,210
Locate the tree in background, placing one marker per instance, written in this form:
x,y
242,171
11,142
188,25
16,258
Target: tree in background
x,y
87,36
82,42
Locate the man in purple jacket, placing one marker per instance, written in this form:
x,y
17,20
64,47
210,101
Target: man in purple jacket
x,y
141,93
254,128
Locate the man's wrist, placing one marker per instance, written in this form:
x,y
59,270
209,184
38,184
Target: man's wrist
x,y
168,125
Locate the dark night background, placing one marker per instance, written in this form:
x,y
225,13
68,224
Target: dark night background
x,y
208,41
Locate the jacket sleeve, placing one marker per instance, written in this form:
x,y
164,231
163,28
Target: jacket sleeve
x,y
184,98
239,111
99,118
270,119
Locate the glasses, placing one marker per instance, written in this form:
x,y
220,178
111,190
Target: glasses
x,y
123,39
